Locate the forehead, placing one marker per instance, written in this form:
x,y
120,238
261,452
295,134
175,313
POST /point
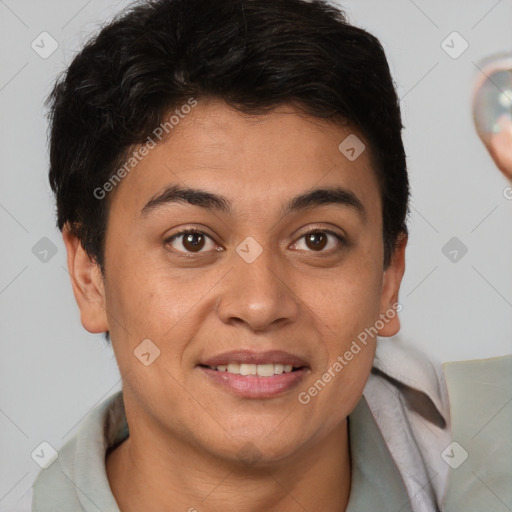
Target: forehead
x,y
252,160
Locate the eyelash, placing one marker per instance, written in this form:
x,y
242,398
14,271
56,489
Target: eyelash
x,y
342,241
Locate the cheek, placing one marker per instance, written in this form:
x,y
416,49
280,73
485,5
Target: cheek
x,y
347,301
346,309
348,348
145,301
140,295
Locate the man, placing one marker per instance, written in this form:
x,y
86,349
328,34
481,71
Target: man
x,y
232,191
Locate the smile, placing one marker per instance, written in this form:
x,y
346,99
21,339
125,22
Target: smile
x,y
250,374
262,370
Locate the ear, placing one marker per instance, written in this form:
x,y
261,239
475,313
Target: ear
x,y
390,288
87,283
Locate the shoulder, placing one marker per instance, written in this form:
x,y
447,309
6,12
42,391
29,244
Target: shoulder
x,y
407,395
80,463
480,456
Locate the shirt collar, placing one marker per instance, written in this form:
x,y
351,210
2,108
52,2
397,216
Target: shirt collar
x,y
418,375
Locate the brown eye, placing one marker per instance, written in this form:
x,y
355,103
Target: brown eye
x,y
321,241
316,241
190,241
193,242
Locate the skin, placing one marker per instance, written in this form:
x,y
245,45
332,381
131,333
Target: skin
x,y
499,146
185,431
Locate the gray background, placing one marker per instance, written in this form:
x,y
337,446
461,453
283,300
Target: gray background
x,y
53,372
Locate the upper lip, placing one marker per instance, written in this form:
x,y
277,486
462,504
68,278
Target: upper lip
x,y
250,357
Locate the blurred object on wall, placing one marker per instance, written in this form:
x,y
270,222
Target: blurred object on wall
x,y
492,109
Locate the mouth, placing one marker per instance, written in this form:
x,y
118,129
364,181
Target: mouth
x,y
262,370
255,375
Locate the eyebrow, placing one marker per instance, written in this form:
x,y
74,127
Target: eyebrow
x,y
318,197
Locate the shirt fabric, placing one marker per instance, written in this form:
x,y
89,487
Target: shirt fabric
x,y
396,433
480,474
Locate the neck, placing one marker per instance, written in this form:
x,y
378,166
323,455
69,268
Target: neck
x,y
145,476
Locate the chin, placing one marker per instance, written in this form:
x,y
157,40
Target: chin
x,y
262,448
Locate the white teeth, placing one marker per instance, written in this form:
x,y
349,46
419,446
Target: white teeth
x,y
233,368
247,369
278,369
263,370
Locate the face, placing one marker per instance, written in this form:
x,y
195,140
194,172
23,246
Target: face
x,y
243,274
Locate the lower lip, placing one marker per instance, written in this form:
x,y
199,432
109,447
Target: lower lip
x,y
254,386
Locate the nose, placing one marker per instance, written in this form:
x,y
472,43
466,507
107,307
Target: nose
x,y
258,294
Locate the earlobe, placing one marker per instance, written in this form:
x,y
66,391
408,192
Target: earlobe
x,y
87,283
389,305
